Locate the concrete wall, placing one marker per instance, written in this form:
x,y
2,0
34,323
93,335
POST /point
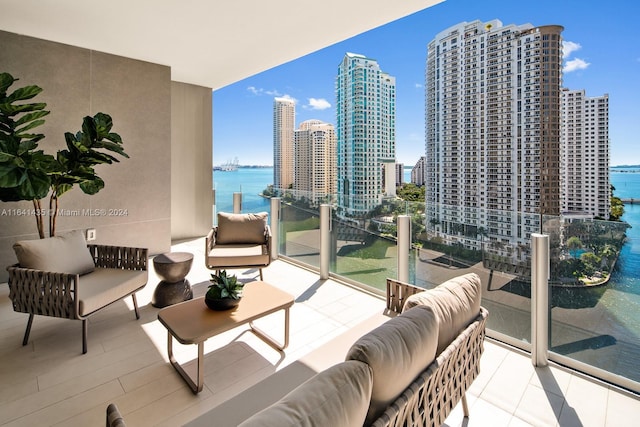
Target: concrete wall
x,y
134,208
191,160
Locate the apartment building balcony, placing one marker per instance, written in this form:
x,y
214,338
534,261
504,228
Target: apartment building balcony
x,y
49,381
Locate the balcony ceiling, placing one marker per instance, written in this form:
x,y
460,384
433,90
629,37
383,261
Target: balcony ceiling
x,y
210,43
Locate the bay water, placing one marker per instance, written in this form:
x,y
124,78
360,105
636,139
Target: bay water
x,y
620,297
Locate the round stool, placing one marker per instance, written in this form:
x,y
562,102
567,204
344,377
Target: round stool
x,y
172,268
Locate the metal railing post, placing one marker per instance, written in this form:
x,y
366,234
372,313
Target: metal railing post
x,y
275,227
325,240
237,203
404,245
540,299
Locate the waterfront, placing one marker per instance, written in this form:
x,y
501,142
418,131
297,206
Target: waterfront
x,y
599,326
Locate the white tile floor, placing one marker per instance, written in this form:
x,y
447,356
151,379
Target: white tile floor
x,y
49,381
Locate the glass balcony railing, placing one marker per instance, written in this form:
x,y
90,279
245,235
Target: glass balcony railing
x,y
594,295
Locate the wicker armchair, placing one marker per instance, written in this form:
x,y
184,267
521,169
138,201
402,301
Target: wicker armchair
x,y
117,273
239,241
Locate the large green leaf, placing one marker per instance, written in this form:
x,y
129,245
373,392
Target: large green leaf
x,y
6,80
92,187
30,117
10,175
24,93
12,110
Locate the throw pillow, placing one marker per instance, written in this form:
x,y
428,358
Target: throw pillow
x,y
241,228
397,352
67,253
455,302
336,397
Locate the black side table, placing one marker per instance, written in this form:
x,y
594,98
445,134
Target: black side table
x,y
172,268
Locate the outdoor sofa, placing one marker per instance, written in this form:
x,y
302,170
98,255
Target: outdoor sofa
x,y
412,369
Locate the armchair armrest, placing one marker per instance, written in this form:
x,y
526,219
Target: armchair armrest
x,y
210,240
398,292
43,292
123,257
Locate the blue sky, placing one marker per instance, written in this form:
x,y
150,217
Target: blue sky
x,y
604,57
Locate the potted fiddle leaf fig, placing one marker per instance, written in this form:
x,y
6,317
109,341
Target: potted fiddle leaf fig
x,y
75,165
23,168
29,174
224,292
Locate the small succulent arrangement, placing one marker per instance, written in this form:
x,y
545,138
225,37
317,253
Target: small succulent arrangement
x,y
224,292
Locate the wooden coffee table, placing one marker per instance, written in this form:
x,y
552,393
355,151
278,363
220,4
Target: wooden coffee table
x,y
192,322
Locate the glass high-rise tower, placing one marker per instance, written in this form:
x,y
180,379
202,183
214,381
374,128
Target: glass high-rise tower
x,y
365,127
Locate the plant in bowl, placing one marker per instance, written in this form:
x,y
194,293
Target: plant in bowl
x,y
224,292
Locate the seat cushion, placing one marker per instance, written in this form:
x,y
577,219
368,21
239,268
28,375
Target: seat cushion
x,y
397,352
336,397
238,255
455,302
67,253
106,285
241,228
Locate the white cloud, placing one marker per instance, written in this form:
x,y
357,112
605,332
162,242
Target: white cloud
x,y
418,85
260,91
575,64
569,47
318,104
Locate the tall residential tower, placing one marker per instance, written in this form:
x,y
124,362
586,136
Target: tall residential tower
x,y
284,114
492,133
365,126
315,160
585,155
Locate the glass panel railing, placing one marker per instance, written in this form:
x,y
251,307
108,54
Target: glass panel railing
x,y
363,254
595,294
300,232
595,284
452,242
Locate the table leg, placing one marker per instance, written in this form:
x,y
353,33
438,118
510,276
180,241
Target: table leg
x,y
197,386
272,342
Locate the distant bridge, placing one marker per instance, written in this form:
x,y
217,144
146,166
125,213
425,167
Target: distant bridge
x,y
630,201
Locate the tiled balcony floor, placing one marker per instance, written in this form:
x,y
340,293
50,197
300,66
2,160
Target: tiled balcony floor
x,y
49,381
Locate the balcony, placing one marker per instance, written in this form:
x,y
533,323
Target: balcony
x,y
49,381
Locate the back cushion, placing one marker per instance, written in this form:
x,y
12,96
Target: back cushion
x,y
67,253
241,228
455,302
336,397
397,352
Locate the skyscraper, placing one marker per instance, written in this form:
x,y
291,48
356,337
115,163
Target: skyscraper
x,y
585,154
365,126
315,160
492,133
284,114
417,173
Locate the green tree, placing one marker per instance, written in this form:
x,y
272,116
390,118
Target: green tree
x,y
411,193
573,244
617,207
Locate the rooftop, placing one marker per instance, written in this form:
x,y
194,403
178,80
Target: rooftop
x,y
50,382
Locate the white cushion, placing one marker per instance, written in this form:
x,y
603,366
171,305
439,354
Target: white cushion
x,y
455,302
336,397
67,253
397,351
241,228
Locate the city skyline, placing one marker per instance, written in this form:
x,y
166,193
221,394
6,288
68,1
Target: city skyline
x,y
600,62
